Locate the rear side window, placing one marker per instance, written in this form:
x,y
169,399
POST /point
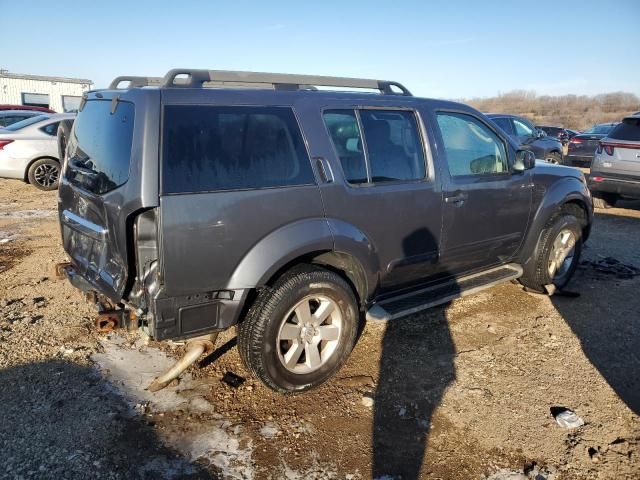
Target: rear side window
x,y
471,147
392,148
99,149
209,148
629,129
51,129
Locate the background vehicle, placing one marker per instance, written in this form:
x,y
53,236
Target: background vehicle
x,y
582,147
29,150
26,107
530,138
615,171
562,134
9,117
295,239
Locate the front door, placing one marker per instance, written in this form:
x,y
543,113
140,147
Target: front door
x,y
486,204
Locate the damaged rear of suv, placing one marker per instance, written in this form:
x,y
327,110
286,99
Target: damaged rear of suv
x,y
295,213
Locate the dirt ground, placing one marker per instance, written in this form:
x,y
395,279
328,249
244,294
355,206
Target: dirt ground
x,y
461,392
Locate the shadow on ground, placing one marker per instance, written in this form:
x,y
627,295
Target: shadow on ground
x,y
60,420
604,320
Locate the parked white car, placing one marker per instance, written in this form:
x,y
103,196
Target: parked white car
x,y
29,150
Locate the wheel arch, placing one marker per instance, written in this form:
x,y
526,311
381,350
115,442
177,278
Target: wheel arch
x,y
570,192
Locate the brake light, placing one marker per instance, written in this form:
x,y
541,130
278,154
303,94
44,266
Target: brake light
x,y
597,179
608,149
4,143
575,140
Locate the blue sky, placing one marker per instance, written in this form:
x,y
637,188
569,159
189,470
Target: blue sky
x,y
446,49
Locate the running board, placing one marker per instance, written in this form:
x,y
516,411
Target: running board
x,y
414,302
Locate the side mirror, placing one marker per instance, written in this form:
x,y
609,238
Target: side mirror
x,y
525,160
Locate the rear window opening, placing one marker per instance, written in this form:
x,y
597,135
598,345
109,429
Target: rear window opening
x,y
99,150
211,148
629,129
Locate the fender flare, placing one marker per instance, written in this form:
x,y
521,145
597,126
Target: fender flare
x,y
568,189
278,248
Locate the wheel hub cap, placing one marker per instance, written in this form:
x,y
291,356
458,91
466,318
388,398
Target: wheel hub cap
x,y
562,253
309,334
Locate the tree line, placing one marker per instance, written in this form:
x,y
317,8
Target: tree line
x,y
577,112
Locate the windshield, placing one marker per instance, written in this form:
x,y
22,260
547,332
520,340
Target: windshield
x,y
99,149
26,122
600,129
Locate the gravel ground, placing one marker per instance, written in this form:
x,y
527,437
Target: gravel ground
x,y
462,391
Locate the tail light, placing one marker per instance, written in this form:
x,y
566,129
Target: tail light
x,y
599,149
608,149
575,140
597,179
4,143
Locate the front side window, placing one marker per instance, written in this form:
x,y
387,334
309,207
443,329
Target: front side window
x,y
522,128
392,148
209,148
470,146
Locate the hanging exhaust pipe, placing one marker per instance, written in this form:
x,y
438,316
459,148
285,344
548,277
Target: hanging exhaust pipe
x,y
195,348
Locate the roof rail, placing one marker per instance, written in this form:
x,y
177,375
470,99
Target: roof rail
x,y
135,82
189,78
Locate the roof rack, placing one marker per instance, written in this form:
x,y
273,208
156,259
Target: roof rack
x,y
135,82
190,78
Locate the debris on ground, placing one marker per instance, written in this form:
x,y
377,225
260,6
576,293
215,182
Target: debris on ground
x,y
566,417
367,400
611,266
232,379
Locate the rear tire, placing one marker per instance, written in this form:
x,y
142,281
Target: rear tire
x,y
604,200
288,340
44,174
557,254
554,157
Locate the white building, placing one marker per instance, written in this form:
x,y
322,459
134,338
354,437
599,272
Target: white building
x,y
57,93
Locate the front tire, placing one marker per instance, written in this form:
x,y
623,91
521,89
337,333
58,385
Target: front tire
x,y
557,254
44,174
300,332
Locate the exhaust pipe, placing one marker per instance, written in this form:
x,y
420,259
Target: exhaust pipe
x,y
195,348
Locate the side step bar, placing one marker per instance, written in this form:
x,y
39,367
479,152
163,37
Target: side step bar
x,y
414,302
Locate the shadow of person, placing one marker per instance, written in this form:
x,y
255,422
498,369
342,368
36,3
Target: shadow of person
x,y
605,316
60,420
416,366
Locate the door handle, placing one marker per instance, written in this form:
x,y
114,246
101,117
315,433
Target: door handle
x,y
324,169
457,198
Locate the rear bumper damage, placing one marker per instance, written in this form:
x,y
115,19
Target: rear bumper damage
x,y
162,317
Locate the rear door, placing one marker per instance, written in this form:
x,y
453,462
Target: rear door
x,y
385,186
486,206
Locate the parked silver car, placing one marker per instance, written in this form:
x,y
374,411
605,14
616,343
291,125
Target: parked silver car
x,y
29,150
615,171
9,117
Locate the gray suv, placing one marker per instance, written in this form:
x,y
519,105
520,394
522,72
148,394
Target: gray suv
x,y
295,213
615,171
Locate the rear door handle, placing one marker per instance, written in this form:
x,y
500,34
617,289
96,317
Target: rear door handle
x,y
457,198
324,169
